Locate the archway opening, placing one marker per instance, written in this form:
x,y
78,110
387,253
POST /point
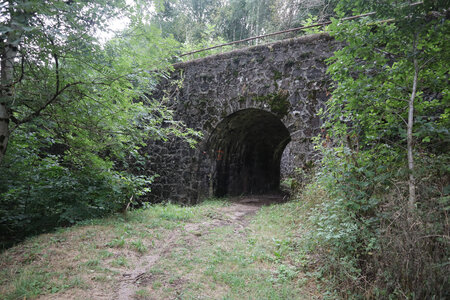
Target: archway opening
x,y
247,147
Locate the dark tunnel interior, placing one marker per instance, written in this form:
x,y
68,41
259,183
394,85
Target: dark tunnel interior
x,y
247,147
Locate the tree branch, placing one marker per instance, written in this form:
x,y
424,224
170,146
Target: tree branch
x,y
49,101
55,56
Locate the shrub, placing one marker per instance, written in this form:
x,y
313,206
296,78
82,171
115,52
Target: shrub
x,y
40,191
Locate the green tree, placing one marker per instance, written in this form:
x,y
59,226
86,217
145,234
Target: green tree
x,y
289,14
201,23
391,89
76,111
187,20
38,38
385,153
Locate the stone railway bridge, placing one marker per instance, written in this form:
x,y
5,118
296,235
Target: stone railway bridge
x,y
257,109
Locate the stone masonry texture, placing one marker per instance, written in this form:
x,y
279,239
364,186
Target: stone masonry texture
x,y
257,110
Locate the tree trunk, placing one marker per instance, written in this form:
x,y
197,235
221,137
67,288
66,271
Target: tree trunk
x,y
8,55
409,135
4,129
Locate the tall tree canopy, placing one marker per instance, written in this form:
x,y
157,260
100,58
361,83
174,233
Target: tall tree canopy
x,y
193,21
75,112
46,46
391,90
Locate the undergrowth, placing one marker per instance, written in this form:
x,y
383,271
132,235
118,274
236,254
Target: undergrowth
x,y
380,250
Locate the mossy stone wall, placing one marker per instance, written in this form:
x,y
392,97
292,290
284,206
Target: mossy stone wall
x,y
286,78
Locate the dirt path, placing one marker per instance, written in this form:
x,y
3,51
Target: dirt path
x,y
216,250
236,216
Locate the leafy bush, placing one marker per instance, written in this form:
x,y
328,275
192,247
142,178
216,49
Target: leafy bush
x,y
345,219
367,242
39,191
382,230
78,112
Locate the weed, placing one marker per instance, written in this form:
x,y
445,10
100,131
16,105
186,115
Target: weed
x,y
29,284
232,267
92,263
139,246
117,243
219,264
157,285
121,261
156,270
105,254
284,273
172,212
57,239
142,294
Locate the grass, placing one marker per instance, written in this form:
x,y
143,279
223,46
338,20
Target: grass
x,y
142,294
121,261
260,262
224,261
117,242
139,246
92,252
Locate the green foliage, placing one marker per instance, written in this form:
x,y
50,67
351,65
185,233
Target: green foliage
x,y
187,20
117,242
39,192
201,24
172,212
206,41
121,261
81,114
311,20
142,294
364,167
139,246
284,273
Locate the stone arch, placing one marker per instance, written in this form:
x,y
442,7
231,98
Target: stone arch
x,y
286,79
246,147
